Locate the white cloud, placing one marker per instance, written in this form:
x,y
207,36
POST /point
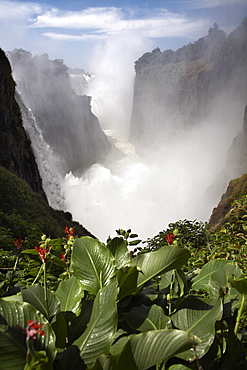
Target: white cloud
x,y
86,37
18,11
102,22
204,4
90,18
97,23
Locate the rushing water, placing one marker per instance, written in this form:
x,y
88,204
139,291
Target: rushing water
x,y
177,180
44,157
146,193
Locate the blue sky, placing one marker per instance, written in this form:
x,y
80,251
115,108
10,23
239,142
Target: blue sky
x,y
79,31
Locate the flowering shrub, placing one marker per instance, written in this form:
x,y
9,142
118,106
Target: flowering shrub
x,y
83,304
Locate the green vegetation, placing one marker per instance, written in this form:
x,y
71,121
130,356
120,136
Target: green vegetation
x,y
177,302
24,213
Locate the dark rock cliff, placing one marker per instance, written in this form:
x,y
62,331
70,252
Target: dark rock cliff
x,y
69,127
23,203
15,148
176,89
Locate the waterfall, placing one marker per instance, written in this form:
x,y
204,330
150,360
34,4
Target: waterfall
x,y
79,82
145,193
120,188
44,157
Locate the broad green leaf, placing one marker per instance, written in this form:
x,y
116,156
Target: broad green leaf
x,y
156,320
136,316
92,263
156,263
178,280
17,297
200,321
166,279
35,295
78,324
13,348
104,362
146,318
118,248
120,339
119,345
101,328
147,349
70,359
59,326
70,293
239,284
213,277
127,281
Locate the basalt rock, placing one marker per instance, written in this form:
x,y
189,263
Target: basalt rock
x,y
221,213
68,125
23,203
15,148
175,90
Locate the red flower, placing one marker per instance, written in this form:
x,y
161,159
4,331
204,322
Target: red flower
x,y
18,243
63,257
69,231
169,238
32,329
42,253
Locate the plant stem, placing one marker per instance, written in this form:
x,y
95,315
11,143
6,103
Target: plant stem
x,y
171,291
41,267
239,315
30,348
100,280
13,272
45,286
160,366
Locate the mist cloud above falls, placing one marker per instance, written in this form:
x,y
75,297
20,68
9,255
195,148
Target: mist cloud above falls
x,y
112,86
147,194
179,178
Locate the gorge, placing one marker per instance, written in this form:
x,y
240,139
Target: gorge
x,y
186,137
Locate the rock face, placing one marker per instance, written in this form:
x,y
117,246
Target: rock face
x,y
66,120
221,213
15,148
176,89
22,196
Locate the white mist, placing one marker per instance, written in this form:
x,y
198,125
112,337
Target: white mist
x,y
181,178
147,194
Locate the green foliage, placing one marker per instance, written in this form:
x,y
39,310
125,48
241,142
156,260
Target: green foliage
x,y
24,212
13,351
97,338
92,263
104,307
187,233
